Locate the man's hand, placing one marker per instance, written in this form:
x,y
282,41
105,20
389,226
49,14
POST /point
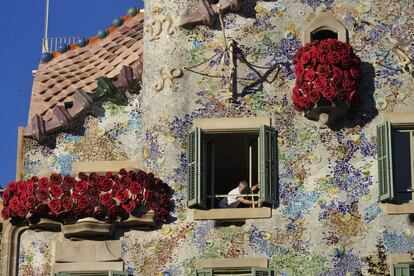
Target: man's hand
x,y
255,187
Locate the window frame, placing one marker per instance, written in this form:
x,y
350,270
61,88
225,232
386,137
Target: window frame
x,y
394,260
226,125
399,121
255,264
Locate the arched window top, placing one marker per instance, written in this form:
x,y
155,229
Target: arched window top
x,y
323,26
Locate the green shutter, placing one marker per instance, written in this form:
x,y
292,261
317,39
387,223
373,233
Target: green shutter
x,y
196,170
384,152
268,166
403,270
259,271
204,272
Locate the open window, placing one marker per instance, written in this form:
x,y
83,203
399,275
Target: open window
x,y
395,149
404,269
324,26
256,271
219,159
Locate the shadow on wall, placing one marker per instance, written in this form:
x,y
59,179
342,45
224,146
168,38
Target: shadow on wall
x,y
364,109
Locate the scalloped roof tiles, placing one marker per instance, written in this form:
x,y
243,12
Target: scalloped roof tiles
x,y
79,68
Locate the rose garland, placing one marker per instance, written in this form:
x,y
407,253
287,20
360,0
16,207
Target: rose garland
x,y
106,198
326,69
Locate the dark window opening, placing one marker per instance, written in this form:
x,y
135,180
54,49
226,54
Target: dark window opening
x,y
401,158
231,158
323,34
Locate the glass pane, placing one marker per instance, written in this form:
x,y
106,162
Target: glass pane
x,y
401,155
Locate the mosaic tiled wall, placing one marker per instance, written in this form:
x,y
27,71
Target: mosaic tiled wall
x,y
329,221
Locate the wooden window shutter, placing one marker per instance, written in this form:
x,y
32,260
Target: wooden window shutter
x,y
268,166
403,270
259,271
204,272
196,170
384,152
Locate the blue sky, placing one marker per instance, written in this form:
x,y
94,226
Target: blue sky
x,y
22,24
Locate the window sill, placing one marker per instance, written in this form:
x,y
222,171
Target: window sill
x,y
399,209
233,213
233,263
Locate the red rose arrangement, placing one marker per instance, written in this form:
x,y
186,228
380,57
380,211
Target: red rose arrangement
x,y
106,198
326,69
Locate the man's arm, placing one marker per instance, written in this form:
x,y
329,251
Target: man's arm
x,y
246,201
255,187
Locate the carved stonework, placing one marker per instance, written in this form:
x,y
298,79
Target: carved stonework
x,y
88,229
207,14
325,21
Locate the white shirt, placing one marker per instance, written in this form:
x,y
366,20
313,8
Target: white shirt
x,y
236,193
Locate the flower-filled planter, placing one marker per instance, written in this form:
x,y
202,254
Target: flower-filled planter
x,y
327,72
88,200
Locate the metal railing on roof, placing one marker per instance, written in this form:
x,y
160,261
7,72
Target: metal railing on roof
x,y
52,44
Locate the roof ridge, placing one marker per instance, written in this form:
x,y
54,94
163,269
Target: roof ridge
x,y
101,34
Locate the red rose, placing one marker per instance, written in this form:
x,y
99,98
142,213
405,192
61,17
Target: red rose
x,y
55,178
106,199
324,59
305,88
129,206
31,201
298,81
30,187
165,200
356,61
314,96
106,184
323,70
55,205
329,93
43,183
125,181
162,214
14,202
141,176
93,191
93,179
113,211
302,103
132,175
83,176
305,58
135,188
153,206
12,186
116,179
81,186
348,84
67,203
334,57
21,187
122,195
5,213
35,178
325,47
83,201
346,61
6,195
337,72
22,211
299,70
321,82
99,214
164,189
123,172
150,196
22,198
342,94
56,190
354,72
352,96
108,174
115,189
298,55
42,195
310,75
68,183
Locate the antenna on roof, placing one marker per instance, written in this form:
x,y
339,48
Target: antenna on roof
x,y
45,46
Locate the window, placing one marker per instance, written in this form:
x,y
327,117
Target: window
x,y
218,159
235,272
395,149
404,270
323,26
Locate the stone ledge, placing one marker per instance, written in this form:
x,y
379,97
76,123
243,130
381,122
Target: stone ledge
x,y
87,267
232,263
217,125
399,209
233,213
